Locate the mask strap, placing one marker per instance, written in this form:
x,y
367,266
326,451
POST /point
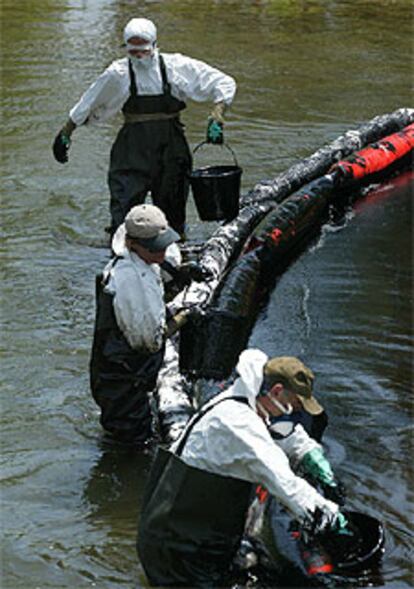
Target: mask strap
x,y
285,409
263,411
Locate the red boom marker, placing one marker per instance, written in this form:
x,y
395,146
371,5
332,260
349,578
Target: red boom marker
x,y
378,156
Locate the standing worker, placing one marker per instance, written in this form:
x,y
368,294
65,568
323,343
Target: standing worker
x,y
196,502
150,151
130,326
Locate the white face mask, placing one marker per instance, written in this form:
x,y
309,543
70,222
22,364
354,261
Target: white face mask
x,y
145,61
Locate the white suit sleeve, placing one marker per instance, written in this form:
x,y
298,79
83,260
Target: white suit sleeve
x,y
295,442
200,81
102,99
139,310
250,453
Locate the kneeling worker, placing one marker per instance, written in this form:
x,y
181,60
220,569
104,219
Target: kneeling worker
x,y
198,495
130,326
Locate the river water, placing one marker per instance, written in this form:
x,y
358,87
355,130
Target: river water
x,y
307,71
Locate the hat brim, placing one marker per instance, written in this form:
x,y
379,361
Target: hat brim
x,y
311,405
160,242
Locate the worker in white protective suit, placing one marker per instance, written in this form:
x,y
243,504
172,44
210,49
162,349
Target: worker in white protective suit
x,y
150,152
131,323
198,494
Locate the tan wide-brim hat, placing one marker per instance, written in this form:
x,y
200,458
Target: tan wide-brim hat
x,y
296,377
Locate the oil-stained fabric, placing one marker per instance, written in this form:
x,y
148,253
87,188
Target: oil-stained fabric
x,y
138,301
191,523
120,375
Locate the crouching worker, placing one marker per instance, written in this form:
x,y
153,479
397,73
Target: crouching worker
x,y
130,325
197,497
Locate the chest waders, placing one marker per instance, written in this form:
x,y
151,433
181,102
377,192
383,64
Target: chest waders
x,y
191,521
150,153
120,377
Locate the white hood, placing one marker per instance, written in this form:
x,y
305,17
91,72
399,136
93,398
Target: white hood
x,y
250,368
141,27
118,241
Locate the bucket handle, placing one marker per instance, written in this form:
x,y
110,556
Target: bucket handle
x,y
222,145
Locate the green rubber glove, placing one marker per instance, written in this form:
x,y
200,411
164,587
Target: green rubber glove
x,y
341,525
215,132
316,464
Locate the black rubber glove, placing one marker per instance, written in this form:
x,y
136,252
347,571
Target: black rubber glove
x,y
323,523
335,492
61,146
62,142
186,273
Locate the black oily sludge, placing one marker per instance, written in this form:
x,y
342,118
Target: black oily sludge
x,y
320,162
210,348
244,257
210,343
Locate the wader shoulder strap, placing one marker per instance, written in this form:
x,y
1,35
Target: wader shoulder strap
x,y
105,279
166,88
132,82
201,414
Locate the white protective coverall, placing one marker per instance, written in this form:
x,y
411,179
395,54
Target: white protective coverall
x,y
128,346
138,294
189,79
229,441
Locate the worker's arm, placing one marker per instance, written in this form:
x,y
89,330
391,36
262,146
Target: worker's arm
x,y
308,455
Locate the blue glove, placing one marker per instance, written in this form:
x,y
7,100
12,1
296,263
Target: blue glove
x,y
215,124
317,466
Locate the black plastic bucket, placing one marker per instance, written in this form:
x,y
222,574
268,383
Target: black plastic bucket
x,y
216,190
367,549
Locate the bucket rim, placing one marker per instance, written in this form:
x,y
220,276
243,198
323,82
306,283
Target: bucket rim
x,y
375,551
222,170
